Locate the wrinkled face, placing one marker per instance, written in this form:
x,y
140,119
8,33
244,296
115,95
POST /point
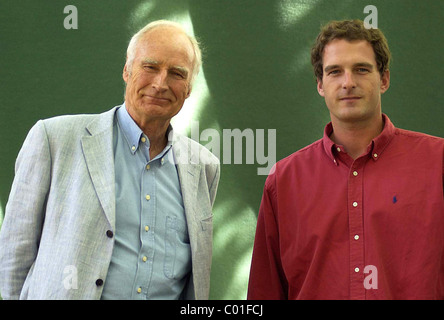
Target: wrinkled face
x,y
351,83
158,80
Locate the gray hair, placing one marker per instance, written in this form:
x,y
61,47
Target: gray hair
x,y
130,52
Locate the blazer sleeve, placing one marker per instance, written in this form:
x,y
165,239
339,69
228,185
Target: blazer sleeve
x,y
267,277
25,211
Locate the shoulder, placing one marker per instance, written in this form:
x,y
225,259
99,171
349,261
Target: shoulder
x,y
75,122
414,135
191,151
302,156
299,160
305,153
67,130
66,124
420,142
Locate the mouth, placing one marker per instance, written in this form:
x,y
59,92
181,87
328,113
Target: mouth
x,y
350,98
156,100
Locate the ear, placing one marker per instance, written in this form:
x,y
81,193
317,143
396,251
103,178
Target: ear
x,y
125,74
385,81
320,87
189,91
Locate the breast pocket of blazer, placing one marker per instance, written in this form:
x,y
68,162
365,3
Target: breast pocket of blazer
x,y
207,224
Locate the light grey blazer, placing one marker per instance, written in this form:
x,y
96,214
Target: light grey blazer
x,y
54,242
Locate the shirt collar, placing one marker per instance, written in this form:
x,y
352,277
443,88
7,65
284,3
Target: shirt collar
x,y
133,134
376,147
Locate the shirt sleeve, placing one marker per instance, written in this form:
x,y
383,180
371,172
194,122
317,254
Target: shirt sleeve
x,y
267,278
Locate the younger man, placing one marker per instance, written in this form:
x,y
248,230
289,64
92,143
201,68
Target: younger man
x,y
359,214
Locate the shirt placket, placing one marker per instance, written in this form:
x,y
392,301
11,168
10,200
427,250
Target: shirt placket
x,y
355,215
147,229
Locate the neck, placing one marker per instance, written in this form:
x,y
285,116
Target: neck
x,y
157,136
355,137
155,130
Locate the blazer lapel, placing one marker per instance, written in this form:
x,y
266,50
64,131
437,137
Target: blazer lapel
x,y
198,214
99,156
189,172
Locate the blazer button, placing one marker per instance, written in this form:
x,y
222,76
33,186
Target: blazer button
x,y
99,282
110,234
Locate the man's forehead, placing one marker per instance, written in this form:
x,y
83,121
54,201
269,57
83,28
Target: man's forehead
x,y
172,42
347,45
344,50
167,35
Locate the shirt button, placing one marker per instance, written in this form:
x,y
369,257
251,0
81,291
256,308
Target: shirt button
x,y
133,148
356,237
147,197
99,282
139,290
143,139
355,204
356,269
147,167
162,161
375,155
147,228
109,234
355,173
339,149
144,259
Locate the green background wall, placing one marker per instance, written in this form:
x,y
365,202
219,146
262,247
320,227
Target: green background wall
x,y
256,74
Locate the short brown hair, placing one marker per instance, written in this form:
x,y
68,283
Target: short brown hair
x,y
350,30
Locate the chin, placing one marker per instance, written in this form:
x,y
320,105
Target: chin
x,y
152,108
355,116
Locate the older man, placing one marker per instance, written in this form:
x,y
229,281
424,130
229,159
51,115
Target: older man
x,y
359,214
116,205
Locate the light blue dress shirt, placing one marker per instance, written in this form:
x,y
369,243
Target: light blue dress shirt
x,y
152,255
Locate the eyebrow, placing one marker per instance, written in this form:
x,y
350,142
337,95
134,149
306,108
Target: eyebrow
x,y
150,61
182,70
359,64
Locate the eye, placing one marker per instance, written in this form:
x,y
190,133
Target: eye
x,y
333,72
149,67
178,75
363,70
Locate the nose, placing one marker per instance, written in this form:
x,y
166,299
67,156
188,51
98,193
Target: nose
x,y
160,81
349,81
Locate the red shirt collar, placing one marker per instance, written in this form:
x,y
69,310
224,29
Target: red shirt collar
x,y
375,148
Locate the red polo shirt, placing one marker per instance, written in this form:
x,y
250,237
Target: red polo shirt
x,y
331,227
